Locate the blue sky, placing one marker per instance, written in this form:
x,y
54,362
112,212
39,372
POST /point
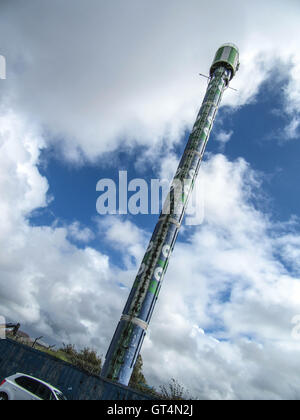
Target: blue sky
x,y
258,135
88,100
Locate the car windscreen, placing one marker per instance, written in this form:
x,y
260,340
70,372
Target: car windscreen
x,y
60,395
43,392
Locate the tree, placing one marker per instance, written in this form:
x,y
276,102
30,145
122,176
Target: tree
x,y
174,391
86,359
138,379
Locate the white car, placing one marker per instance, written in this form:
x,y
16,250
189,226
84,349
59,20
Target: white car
x,y
24,387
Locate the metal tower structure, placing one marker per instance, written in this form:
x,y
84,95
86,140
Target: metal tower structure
x,y
131,330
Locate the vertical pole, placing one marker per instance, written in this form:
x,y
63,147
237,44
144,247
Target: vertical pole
x,y
131,330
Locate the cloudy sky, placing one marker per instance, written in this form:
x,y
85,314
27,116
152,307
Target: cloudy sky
x,y
94,87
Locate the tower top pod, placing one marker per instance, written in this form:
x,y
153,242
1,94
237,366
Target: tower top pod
x,y
227,56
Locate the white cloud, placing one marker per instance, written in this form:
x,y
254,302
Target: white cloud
x,y
112,75
46,282
229,281
81,234
223,137
291,130
126,237
22,187
225,280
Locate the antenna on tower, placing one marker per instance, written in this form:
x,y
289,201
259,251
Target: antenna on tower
x,y
207,77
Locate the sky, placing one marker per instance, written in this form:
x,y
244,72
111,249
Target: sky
x,y
96,87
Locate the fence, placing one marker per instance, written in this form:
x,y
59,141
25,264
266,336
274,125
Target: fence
x,y
73,382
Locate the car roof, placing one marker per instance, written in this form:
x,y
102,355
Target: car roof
x,y
37,379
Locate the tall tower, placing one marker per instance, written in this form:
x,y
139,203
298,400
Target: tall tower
x,y
131,330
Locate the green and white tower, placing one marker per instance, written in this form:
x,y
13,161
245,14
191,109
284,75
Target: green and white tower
x,y
131,330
